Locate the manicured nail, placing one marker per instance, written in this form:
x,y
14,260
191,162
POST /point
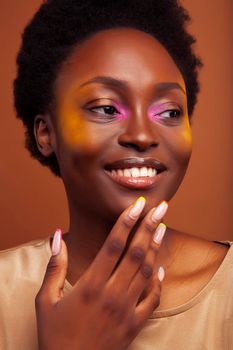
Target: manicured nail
x,y
159,233
56,245
159,212
137,208
161,273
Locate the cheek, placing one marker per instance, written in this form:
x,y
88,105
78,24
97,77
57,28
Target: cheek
x,y
75,133
179,144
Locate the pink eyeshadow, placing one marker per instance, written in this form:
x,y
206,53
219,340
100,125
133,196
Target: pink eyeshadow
x,y
123,113
155,110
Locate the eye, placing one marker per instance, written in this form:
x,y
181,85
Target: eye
x,y
105,110
109,111
170,113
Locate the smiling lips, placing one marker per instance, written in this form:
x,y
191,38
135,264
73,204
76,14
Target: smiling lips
x,y
136,173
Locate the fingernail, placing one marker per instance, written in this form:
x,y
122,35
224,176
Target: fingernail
x,y
56,245
159,212
161,273
137,208
159,233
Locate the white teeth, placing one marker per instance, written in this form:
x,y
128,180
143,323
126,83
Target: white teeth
x,y
154,172
135,172
127,172
120,172
143,171
150,172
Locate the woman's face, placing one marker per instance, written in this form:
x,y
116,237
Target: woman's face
x,y
121,116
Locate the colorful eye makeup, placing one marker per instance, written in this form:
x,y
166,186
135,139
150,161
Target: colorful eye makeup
x,y
109,111
165,111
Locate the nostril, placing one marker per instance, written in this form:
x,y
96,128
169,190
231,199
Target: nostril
x,y
138,140
138,146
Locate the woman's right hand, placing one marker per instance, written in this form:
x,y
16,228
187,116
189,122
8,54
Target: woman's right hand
x,y
105,309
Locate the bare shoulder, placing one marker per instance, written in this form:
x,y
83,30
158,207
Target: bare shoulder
x,y
206,252
197,254
195,261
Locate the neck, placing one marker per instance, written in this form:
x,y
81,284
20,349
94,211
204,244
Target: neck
x,y
88,232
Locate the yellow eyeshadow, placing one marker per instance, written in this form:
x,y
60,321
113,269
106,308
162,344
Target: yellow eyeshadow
x,y
73,128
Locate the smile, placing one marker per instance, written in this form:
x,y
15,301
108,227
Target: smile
x,y
136,173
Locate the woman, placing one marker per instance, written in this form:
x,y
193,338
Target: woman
x,y
106,93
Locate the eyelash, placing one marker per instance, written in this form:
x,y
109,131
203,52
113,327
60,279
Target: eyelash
x,y
117,114
105,106
177,111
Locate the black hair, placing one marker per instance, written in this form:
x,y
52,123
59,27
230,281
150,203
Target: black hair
x,y
59,25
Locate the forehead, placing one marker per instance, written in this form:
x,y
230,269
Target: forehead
x,y
122,53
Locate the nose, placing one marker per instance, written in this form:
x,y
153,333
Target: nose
x,y
138,134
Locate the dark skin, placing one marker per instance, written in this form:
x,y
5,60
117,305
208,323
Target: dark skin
x,y
85,137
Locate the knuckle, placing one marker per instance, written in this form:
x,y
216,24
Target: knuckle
x,y
137,254
149,226
155,247
147,271
89,293
53,267
128,222
110,303
114,303
115,246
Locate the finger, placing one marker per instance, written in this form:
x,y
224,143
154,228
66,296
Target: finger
x,y
141,283
146,307
111,251
139,246
147,290
142,278
51,290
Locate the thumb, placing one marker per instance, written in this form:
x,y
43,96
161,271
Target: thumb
x,y
52,287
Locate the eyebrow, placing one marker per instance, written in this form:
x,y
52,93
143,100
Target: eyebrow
x,y
123,85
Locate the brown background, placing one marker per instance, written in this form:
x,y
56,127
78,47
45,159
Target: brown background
x,y
32,201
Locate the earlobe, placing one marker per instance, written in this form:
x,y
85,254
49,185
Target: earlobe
x,y
43,134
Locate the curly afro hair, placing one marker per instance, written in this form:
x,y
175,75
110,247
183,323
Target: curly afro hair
x,y
59,25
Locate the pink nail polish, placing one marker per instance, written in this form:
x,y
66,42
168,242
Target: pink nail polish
x,y
159,233
137,208
161,273
159,211
56,245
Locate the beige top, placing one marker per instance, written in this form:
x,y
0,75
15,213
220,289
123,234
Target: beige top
x,y
204,322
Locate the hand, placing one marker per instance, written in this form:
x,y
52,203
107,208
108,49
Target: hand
x,y
104,310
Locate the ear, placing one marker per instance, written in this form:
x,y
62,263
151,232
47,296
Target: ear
x,y
43,132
